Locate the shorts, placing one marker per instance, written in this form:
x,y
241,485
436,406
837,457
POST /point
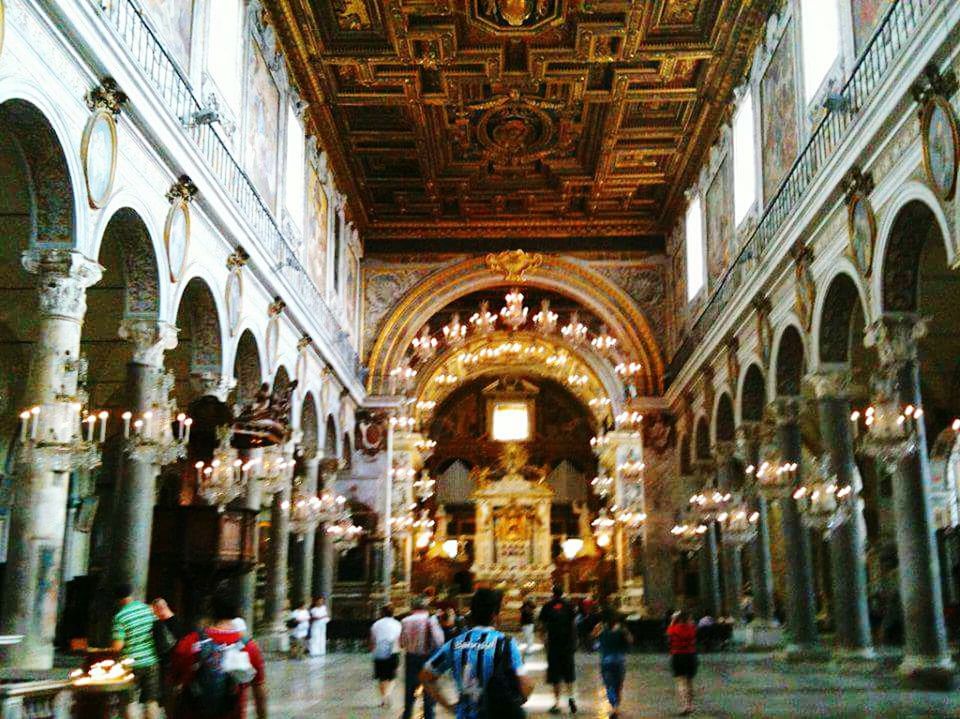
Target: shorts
x,y
560,669
684,665
148,683
385,670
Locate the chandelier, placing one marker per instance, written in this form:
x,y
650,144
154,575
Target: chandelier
x,y
575,332
602,485
424,345
514,314
425,446
153,440
599,442
600,402
824,504
603,528
557,360
273,469
308,511
401,524
423,487
454,332
446,379
575,379
225,477
891,429
688,534
738,525
627,369
427,405
632,517
403,423
632,470
604,343
545,320
344,534
628,420
709,503
775,480
402,377
483,320
422,529
62,436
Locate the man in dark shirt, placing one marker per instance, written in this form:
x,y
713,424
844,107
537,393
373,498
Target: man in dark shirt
x,y
558,620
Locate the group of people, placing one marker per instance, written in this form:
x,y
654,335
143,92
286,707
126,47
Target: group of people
x,y
308,629
193,673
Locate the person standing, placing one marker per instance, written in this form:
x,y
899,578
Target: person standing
x,y
558,619
319,616
384,635
528,620
682,639
420,636
299,624
167,632
472,656
133,640
197,666
614,641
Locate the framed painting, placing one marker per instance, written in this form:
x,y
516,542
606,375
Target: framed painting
x,y
176,238
233,295
861,231
98,152
938,130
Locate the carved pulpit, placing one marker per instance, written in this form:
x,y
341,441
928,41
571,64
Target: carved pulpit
x,y
512,541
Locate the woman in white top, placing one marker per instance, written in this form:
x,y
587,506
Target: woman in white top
x,y
319,616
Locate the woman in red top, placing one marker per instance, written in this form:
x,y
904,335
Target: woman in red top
x,y
682,639
222,631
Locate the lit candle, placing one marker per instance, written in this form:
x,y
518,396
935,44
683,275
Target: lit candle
x,y
91,420
35,415
24,419
126,424
138,426
199,468
181,418
188,422
103,425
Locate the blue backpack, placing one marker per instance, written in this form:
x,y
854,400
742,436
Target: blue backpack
x,y
213,691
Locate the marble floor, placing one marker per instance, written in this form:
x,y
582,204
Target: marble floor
x,y
729,685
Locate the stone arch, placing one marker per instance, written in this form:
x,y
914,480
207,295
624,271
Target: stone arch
x,y
199,352
685,460
839,305
346,450
572,279
310,425
789,362
753,394
330,435
702,439
247,367
724,423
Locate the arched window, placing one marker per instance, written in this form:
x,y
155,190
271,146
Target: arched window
x,y
744,160
694,244
223,50
295,169
820,28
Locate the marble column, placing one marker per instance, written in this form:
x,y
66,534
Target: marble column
x,y
727,479
324,556
302,548
39,508
926,654
132,517
848,542
803,640
761,570
274,630
247,583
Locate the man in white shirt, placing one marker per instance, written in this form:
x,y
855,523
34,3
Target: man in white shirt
x,y
384,637
420,637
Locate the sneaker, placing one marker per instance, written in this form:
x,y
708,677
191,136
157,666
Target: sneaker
x,y
573,705
555,709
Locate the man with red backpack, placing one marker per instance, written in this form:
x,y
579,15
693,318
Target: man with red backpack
x,y
213,666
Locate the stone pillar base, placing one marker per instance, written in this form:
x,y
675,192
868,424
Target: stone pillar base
x,y
805,653
761,635
928,673
274,639
855,658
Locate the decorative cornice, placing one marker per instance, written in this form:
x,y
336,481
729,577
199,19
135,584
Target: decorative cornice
x,y
183,190
513,264
237,259
107,97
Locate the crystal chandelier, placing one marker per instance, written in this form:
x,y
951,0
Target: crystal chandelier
x,y
709,503
425,344
599,442
824,504
422,529
153,440
557,360
738,524
401,524
403,423
602,485
632,517
425,447
603,528
344,534
775,480
402,377
891,429
600,402
545,320
627,369
688,534
61,436
604,343
632,470
575,379
225,477
426,405
514,314
483,320
575,332
274,469
454,332
446,379
628,420
308,511
423,487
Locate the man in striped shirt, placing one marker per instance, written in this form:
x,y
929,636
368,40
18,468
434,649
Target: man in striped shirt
x,y
469,658
420,636
133,639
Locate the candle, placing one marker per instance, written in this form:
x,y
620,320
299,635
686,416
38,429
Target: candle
x,y
199,467
91,420
35,415
103,425
138,426
126,424
181,418
187,423
24,419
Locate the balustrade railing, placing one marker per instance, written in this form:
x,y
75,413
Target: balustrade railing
x,y
892,34
127,19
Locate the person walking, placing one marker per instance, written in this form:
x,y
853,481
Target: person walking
x,y
472,658
682,640
319,617
420,637
384,636
133,640
614,642
558,619
528,620
213,667
167,632
299,625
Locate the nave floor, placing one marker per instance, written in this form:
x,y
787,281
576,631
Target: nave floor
x,y
340,687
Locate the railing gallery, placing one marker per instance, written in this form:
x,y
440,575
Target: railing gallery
x,y
127,18
896,28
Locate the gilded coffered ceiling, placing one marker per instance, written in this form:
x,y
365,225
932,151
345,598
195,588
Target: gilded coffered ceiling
x,y
535,120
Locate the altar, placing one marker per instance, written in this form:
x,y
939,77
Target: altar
x,y
512,544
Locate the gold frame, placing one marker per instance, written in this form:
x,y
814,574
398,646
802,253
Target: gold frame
x,y
235,277
3,24
181,206
96,203
925,115
856,198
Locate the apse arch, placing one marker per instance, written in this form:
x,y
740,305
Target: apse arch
x,y
199,353
753,394
247,367
788,361
310,426
702,439
833,324
330,438
724,422
548,272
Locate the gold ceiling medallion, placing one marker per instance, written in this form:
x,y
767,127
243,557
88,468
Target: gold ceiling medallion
x,y
513,264
515,15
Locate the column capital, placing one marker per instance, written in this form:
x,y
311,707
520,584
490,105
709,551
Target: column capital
x,y
150,339
895,336
211,383
785,410
63,278
831,382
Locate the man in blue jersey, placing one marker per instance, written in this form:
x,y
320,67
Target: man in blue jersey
x,y
469,658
